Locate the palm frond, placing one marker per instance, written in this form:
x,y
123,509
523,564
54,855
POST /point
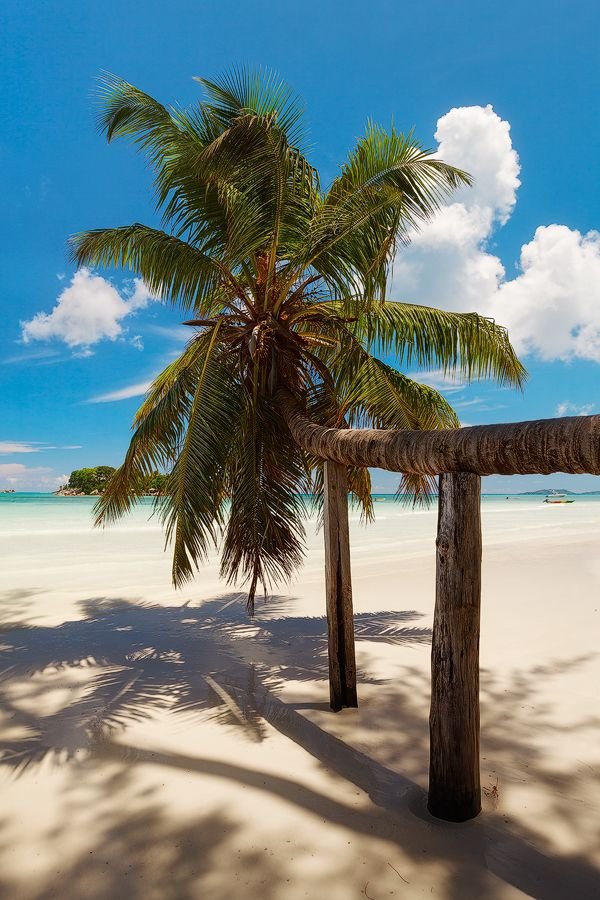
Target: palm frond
x,y
126,111
171,268
388,187
264,538
192,507
467,344
159,427
260,92
359,484
417,490
372,393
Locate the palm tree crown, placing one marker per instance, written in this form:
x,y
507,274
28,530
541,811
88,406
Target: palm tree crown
x,y
286,284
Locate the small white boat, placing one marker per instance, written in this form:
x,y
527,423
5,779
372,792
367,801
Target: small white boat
x,y
556,497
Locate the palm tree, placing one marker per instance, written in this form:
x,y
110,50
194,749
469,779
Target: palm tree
x,y
286,284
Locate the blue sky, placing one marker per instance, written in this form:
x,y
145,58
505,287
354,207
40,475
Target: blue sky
x,y
508,91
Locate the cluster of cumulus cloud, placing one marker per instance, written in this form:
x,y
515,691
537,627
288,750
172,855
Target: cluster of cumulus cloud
x,y
90,309
551,307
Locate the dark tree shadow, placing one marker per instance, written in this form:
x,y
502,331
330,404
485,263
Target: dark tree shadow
x,y
142,855
211,662
208,661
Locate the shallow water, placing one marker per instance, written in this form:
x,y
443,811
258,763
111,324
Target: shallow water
x,y
37,513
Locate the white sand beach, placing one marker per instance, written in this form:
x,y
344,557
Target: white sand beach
x,y
159,744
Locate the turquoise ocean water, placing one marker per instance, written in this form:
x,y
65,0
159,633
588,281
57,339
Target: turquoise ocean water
x,y
36,513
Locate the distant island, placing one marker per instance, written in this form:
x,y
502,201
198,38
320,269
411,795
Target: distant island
x,y
546,491
92,481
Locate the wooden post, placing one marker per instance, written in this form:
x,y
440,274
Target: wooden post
x,y
338,587
454,780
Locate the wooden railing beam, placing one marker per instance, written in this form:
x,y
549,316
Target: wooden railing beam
x,y
570,444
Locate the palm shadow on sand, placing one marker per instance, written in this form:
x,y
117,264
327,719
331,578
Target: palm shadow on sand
x,y
213,662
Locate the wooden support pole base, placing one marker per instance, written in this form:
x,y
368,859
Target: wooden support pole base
x,y
338,586
454,779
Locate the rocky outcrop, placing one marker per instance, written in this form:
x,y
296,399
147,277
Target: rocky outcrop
x,y
75,492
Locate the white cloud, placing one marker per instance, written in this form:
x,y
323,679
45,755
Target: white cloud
x,y
90,309
476,139
476,401
446,382
7,447
552,309
16,476
552,306
573,409
132,390
47,356
17,447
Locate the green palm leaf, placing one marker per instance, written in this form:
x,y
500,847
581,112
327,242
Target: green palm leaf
x,y
171,268
388,186
463,343
193,505
159,429
264,540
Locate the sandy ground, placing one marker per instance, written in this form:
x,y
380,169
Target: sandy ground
x,y
159,745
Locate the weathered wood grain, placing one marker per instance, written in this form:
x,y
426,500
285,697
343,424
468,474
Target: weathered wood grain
x,y
338,587
570,444
454,780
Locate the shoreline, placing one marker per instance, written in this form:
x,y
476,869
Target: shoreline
x,y
377,494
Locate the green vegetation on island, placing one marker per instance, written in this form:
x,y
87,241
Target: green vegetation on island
x,y
92,481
